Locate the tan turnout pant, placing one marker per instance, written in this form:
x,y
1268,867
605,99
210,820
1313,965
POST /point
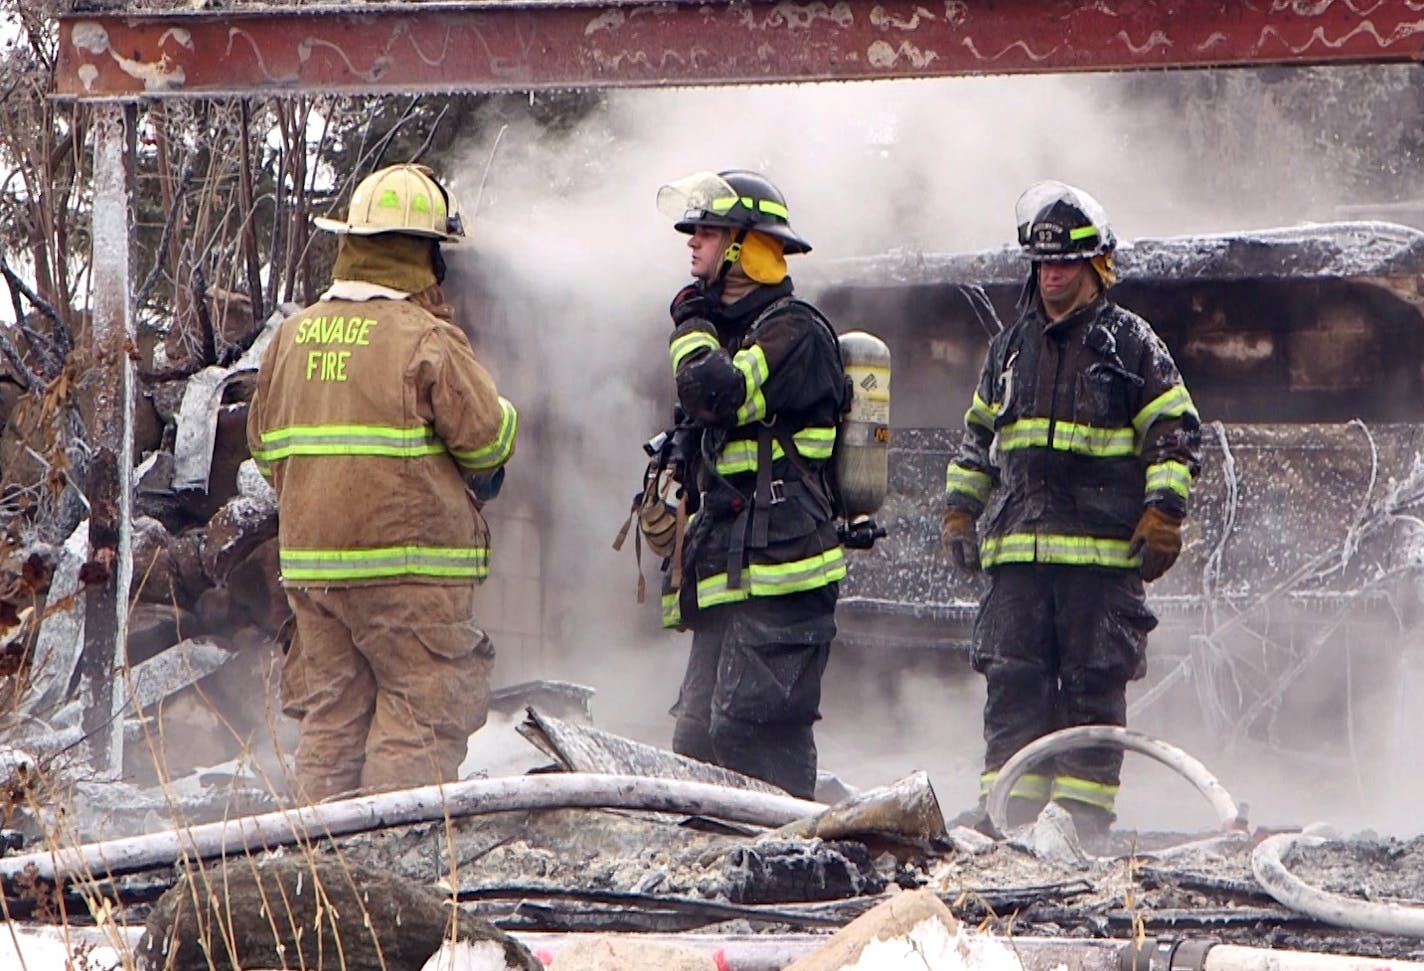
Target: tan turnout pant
x,y
388,682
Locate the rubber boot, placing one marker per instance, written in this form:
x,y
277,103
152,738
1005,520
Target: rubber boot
x,y
1021,812
1091,822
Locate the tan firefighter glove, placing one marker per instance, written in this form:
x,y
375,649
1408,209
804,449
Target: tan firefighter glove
x,y
661,512
1158,540
657,514
959,540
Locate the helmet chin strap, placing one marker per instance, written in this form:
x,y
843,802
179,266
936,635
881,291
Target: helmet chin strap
x,y
437,261
729,259
1029,291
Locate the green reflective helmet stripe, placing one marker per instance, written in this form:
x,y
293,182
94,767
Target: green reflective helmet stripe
x,y
419,202
1082,232
726,203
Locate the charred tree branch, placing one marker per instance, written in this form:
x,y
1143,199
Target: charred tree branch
x,y
28,379
247,207
38,343
199,282
169,224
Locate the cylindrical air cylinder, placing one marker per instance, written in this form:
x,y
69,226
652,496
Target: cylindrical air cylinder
x,y
863,443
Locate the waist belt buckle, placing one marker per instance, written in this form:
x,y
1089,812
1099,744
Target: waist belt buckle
x,y
778,491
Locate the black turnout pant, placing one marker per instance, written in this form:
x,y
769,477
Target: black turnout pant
x,y
1057,646
752,690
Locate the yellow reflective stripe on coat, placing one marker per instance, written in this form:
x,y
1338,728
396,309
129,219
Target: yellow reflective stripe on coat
x,y
969,482
982,413
775,579
697,340
456,562
1172,476
815,444
672,610
1099,794
497,452
284,442
1172,403
1030,785
1068,436
752,363
1055,548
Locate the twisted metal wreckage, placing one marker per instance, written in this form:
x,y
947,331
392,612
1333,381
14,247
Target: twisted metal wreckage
x,y
115,60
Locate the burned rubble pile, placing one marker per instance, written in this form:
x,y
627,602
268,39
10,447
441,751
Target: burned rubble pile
x,y
578,866
206,605
566,871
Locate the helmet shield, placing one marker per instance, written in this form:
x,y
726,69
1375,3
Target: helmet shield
x,y
1032,202
1058,222
695,196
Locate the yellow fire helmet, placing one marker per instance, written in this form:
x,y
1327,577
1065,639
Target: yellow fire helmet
x,y
400,199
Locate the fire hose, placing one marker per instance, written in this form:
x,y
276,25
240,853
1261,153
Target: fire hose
x,y
452,800
1267,860
1267,863
1228,813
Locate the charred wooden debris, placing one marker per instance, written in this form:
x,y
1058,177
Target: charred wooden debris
x,y
540,867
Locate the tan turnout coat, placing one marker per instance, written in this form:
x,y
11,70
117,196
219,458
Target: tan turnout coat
x,y
369,415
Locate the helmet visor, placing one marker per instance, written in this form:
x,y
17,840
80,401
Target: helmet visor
x,y
1042,195
1034,200
694,196
1060,222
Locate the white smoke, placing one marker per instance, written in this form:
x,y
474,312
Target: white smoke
x,y
576,267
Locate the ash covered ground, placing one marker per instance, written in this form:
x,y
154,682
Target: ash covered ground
x,y
578,869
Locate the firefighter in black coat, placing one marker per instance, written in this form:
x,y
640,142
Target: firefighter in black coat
x,y
760,385
1076,465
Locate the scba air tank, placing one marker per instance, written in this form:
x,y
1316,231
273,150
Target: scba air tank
x,y
863,442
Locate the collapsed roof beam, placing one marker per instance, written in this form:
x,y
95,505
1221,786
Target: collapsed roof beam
x,y
525,45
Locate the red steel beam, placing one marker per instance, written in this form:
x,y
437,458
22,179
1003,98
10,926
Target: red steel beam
x,y
522,45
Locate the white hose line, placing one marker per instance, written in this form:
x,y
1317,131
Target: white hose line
x,y
473,797
1332,908
1237,957
1089,736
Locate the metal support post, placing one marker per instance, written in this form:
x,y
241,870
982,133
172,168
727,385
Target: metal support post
x,y
109,375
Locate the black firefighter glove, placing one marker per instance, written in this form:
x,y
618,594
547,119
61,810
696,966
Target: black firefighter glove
x,y
1158,539
485,486
690,303
959,539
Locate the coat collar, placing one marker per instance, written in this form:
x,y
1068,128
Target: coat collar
x,y
735,318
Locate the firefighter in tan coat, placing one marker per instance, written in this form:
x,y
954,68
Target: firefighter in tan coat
x,y
382,435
